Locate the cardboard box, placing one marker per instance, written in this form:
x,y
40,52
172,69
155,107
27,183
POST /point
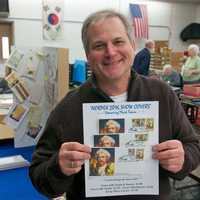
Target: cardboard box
x,y
192,90
6,132
197,122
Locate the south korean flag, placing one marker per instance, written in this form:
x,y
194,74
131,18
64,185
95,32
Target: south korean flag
x,y
52,19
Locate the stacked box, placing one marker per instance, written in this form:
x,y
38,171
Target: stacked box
x,y
192,90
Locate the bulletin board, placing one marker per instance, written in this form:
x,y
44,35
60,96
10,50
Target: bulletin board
x,y
38,78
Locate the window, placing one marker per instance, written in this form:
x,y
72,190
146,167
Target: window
x,y
5,47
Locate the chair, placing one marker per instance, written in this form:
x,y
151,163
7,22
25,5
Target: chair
x,y
191,111
79,72
181,81
4,89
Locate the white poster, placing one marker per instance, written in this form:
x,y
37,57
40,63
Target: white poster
x,y
121,136
34,71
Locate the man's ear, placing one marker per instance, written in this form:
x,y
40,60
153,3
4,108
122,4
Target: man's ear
x,y
88,59
86,54
133,44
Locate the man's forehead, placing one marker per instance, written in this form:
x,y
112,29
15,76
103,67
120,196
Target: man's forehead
x,y
102,25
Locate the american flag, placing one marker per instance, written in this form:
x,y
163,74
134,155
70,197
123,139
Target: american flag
x,y
140,20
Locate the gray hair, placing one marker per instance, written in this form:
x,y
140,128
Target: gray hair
x,y
167,66
194,48
102,15
149,42
102,151
106,137
110,121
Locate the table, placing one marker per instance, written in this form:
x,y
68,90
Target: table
x,y
15,183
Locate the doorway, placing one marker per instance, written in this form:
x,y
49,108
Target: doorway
x,y
6,41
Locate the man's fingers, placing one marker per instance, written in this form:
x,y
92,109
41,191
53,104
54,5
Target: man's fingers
x,y
72,156
75,151
74,164
170,155
75,155
170,144
171,162
75,146
162,155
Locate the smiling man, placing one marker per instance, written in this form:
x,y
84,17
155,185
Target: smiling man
x,y
59,156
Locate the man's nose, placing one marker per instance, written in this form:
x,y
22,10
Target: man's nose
x,y
110,49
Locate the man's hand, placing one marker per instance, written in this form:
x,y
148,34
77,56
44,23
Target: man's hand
x,y
170,154
72,156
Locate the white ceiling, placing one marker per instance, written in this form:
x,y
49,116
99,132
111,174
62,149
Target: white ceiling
x,y
183,1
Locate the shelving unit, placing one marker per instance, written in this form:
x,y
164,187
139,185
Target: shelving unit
x,y
177,60
161,56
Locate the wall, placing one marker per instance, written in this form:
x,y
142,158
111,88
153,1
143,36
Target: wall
x,y
27,15
198,14
182,15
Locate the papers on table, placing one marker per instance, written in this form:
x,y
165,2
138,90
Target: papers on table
x,y
11,162
6,100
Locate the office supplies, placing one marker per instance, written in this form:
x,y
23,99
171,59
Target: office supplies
x,y
11,162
